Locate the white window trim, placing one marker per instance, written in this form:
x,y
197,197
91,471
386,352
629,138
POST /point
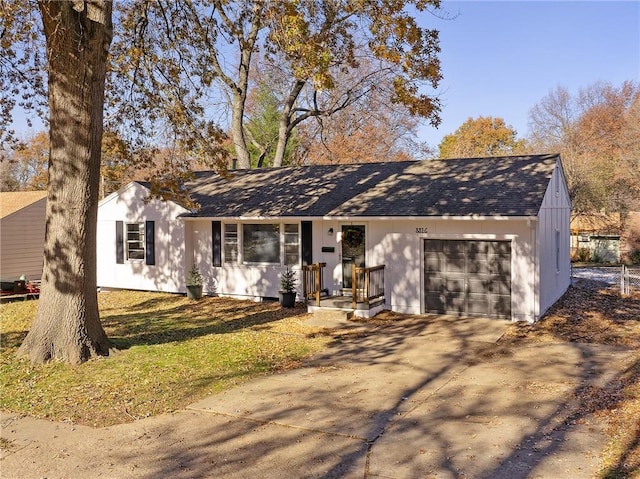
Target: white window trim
x,y
141,240
240,244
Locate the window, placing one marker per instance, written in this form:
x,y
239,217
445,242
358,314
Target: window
x,y
231,243
557,251
261,243
291,244
135,241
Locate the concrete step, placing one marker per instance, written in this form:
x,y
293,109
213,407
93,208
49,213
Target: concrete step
x,y
331,318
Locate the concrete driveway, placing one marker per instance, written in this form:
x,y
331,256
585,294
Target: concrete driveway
x,y
428,397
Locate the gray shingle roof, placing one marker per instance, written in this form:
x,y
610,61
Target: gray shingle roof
x,y
497,186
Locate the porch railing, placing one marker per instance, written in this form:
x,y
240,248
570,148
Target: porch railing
x,y
313,281
367,284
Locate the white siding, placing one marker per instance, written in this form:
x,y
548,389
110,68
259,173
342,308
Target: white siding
x,y
554,217
128,205
22,242
397,245
394,243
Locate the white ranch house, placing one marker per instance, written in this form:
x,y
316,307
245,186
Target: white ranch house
x,y
482,236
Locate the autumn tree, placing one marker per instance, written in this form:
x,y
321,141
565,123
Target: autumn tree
x,y
308,40
596,132
482,136
8,181
31,158
370,130
77,36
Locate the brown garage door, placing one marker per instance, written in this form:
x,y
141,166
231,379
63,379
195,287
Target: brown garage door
x,y
468,277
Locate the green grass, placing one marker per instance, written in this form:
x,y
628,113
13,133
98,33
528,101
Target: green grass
x,y
170,353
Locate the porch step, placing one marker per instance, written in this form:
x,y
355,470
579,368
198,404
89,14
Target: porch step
x,y
331,318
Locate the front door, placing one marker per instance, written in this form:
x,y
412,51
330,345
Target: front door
x,y
353,248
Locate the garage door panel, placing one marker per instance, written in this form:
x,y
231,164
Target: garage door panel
x,y
435,283
453,248
501,248
432,264
433,246
434,302
481,266
478,286
455,265
478,248
501,306
478,304
468,277
502,287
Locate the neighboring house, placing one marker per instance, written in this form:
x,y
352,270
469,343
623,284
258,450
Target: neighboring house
x,y
22,226
605,237
483,236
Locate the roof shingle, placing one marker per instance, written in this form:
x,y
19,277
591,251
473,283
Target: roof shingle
x,y
497,186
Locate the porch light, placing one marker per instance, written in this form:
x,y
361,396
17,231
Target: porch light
x,y
330,232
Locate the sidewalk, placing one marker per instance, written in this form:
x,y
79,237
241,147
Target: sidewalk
x,y
416,399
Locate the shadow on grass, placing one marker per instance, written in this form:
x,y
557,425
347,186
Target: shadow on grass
x,y
150,323
12,339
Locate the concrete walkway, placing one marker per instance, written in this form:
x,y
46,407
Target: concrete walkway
x,y
419,398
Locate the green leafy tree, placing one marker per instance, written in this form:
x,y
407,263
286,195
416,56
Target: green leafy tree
x,y
482,136
261,127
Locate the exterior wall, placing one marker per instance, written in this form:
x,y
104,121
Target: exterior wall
x,y
554,218
252,281
22,242
399,246
394,243
127,205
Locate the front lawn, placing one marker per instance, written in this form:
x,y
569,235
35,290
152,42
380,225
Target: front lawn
x,y
170,352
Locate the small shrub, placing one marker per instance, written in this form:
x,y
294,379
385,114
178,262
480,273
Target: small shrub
x,y
583,255
194,278
288,281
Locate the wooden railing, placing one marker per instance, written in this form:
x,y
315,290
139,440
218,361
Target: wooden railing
x,y
313,281
367,284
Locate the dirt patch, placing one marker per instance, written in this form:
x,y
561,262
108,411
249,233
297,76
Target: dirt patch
x,y
589,312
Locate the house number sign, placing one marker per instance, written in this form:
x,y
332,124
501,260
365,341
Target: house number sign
x,y
421,230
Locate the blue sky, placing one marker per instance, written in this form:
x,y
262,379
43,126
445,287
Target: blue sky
x,y
501,58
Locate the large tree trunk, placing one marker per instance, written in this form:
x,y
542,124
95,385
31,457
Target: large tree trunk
x,y
67,324
284,126
237,131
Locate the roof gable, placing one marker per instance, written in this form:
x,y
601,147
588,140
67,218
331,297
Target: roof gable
x,y
497,186
13,201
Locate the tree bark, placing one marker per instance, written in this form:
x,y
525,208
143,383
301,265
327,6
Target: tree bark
x,y
284,127
237,131
67,323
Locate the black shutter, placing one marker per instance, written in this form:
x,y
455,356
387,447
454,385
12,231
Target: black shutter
x,y
119,242
149,243
216,235
307,242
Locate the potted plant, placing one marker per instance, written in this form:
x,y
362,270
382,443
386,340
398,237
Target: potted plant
x,y
288,288
194,283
